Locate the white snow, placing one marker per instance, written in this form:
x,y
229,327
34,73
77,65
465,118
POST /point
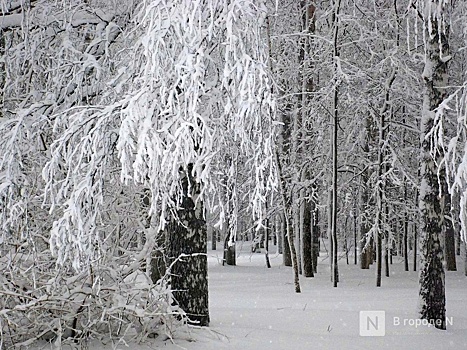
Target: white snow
x,y
253,307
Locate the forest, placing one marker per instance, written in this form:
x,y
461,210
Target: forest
x,y
147,147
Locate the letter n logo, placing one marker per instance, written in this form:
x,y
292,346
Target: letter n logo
x,y
372,323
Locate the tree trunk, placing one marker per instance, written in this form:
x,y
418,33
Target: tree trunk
x,y
289,232
379,201
387,251
415,246
307,255
286,256
329,233
382,218
455,200
316,235
346,243
186,249
406,244
365,246
308,27
158,263
229,249
432,287
449,243
450,247
355,234
213,238
335,128
378,258
279,234
266,238
406,234
296,228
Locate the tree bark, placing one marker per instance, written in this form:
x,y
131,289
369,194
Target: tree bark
x,y
307,246
289,232
355,235
286,256
455,200
432,276
449,243
415,246
316,235
450,247
186,250
213,238
387,252
266,238
335,128
406,234
329,233
365,245
230,257
279,234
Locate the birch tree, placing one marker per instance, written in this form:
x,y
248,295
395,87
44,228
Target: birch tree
x,y
432,284
123,99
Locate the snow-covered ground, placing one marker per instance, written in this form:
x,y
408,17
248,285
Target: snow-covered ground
x,y
253,307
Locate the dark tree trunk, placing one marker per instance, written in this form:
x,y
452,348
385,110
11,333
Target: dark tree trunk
x,y
450,247
329,233
455,201
387,252
307,254
365,246
279,235
290,237
158,261
316,235
274,232
382,217
406,234
432,287
346,243
186,250
213,239
364,256
379,257
355,235
293,255
380,205
286,256
335,143
406,245
266,239
229,251
449,243
415,246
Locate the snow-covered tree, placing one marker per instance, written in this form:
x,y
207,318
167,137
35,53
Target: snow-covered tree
x,y
432,285
108,104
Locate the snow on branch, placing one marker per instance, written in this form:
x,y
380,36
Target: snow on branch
x,y
170,110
